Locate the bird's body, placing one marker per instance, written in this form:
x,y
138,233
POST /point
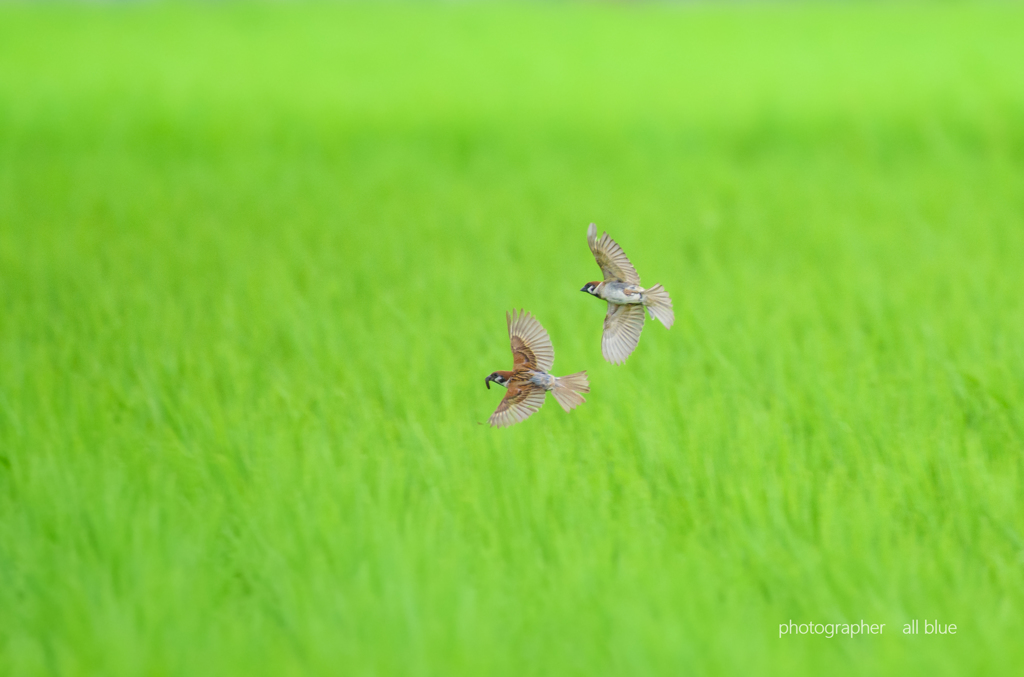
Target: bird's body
x,y
540,379
529,380
626,298
620,293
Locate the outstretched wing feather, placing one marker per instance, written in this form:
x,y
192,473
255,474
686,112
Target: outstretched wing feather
x,y
609,256
531,345
622,327
520,403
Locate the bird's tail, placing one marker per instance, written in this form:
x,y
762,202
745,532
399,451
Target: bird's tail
x,y
659,303
568,390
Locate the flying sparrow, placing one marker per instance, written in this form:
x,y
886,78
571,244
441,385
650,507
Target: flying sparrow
x,y
529,380
626,299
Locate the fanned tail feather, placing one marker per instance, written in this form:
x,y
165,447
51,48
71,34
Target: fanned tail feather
x,y
567,390
659,303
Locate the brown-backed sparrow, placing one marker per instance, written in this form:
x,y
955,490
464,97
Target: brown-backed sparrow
x,y
529,380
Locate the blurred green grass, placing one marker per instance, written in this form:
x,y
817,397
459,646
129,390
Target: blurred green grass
x,y
254,264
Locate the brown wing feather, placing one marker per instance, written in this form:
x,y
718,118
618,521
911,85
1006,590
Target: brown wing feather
x,y
613,261
531,345
520,403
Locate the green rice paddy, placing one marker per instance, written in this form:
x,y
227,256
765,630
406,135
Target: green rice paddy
x,y
254,267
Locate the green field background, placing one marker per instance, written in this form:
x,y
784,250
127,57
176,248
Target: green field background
x,y
254,267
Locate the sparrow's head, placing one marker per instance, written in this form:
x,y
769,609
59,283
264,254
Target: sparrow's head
x,y
498,378
590,288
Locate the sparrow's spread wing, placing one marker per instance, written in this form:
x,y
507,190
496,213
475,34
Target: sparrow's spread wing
x,y
613,261
531,346
622,326
520,403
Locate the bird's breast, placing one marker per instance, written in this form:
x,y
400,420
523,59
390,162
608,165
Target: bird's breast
x,y
622,294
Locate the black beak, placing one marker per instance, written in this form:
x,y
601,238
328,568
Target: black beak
x,y
487,381
584,289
